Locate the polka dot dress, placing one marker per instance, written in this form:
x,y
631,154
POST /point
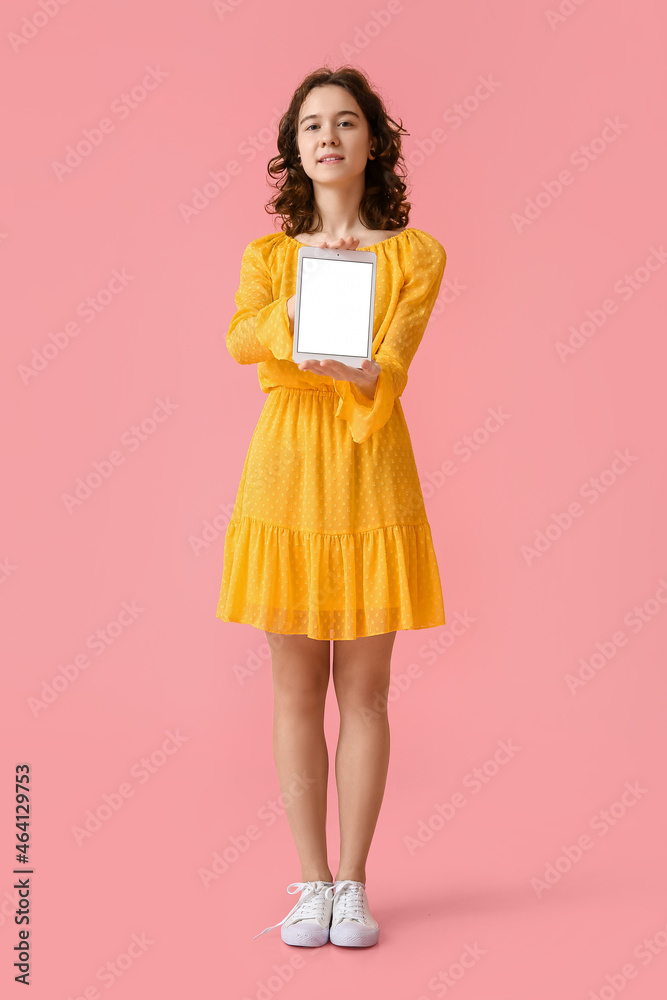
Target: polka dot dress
x,y
329,536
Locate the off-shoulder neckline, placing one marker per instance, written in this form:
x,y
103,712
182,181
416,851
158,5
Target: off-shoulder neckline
x,y
371,246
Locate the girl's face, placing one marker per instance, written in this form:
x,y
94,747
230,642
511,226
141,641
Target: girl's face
x,y
331,123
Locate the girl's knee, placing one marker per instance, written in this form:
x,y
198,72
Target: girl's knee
x,y
301,671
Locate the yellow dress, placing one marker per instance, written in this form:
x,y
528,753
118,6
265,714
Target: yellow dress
x,y
328,535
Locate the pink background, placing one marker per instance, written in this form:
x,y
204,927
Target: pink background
x,y
151,535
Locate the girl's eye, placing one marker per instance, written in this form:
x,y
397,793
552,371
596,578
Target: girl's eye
x,y
317,126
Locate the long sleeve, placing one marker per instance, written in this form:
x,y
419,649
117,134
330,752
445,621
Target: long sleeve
x,y
424,271
260,327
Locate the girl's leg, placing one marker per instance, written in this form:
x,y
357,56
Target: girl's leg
x,y
361,681
300,680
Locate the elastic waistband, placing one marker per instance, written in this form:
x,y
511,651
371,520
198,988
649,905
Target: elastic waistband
x,y
304,388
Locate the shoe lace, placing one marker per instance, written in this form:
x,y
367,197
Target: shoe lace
x,y
311,904
349,900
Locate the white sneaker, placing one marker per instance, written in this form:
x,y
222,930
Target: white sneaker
x,y
352,924
307,923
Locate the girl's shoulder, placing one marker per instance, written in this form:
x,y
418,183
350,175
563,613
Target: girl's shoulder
x,y
416,252
263,247
268,240
421,242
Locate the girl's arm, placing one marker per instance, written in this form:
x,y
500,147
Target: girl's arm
x,y
262,327
417,297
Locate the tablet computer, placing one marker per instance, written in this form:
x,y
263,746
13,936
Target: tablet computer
x,y
335,304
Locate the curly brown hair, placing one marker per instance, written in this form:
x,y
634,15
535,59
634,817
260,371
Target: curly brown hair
x,y
383,205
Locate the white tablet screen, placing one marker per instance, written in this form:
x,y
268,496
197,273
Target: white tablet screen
x,y
334,312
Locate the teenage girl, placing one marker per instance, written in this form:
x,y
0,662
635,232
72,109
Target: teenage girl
x,y
329,542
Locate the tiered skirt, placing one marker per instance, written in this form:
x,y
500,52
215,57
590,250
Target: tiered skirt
x,y
328,537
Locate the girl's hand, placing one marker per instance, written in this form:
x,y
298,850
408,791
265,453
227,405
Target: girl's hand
x,y
366,376
344,243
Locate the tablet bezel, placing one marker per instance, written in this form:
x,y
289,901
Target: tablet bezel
x,y
354,361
